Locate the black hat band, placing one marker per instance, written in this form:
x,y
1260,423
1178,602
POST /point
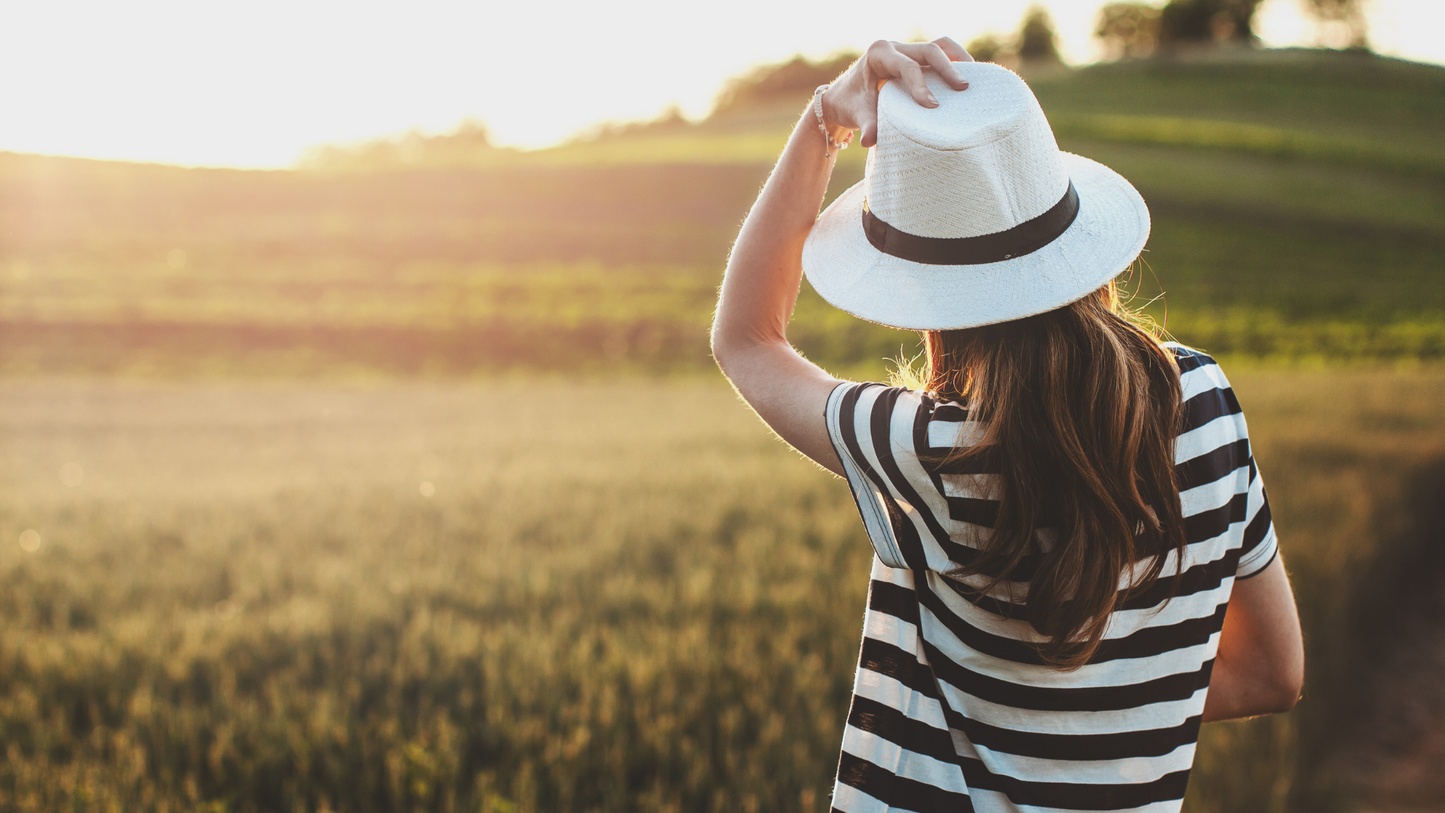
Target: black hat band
x,y
1025,238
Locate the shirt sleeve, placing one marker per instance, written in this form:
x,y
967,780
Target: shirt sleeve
x,y
876,431
1259,546
1217,424
845,404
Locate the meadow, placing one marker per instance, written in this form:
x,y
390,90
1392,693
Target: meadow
x,y
570,597
1298,204
410,486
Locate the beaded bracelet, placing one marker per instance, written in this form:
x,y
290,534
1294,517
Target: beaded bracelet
x,y
828,142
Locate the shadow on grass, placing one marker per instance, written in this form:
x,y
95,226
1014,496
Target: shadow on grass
x,y
1381,738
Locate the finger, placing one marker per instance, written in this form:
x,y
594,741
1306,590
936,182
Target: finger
x,y
872,82
911,74
873,79
891,63
937,59
954,50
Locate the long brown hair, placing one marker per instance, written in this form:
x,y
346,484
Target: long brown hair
x,y
1079,408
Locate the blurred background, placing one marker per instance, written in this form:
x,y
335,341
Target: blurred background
x,y
360,448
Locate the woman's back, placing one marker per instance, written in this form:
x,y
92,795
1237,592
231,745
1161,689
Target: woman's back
x,y
953,703
1046,625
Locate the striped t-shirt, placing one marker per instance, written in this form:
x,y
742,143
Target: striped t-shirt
x,y
952,709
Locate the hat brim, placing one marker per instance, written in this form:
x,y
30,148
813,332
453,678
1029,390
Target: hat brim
x,y
847,271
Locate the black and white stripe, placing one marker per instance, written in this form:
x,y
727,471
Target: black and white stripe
x,y
952,707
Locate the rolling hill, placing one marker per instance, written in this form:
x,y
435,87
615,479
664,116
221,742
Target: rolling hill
x,y
1298,201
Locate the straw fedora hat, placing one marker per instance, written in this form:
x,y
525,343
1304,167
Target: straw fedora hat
x,y
969,214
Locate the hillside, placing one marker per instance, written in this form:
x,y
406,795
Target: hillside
x,y
563,586
1298,202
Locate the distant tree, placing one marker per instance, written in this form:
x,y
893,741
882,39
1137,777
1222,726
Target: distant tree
x,y
1349,13
671,119
1207,21
1036,42
789,81
470,144
1128,29
986,47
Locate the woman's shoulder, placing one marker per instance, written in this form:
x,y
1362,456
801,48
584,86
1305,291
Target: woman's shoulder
x,y
900,418
1206,396
876,395
1189,358
1198,371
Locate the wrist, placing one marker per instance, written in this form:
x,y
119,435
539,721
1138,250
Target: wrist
x,y
830,113
835,136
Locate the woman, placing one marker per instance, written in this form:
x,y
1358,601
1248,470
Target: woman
x,y
1075,561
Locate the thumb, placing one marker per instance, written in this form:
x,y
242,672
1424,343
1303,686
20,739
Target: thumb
x,y
870,132
868,116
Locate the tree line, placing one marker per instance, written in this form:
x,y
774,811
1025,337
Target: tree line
x,y
1128,29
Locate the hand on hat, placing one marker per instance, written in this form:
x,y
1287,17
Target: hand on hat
x,y
851,102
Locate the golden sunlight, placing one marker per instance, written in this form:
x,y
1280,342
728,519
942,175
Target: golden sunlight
x,y
253,85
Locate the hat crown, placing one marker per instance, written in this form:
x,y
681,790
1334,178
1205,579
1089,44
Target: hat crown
x,y
982,162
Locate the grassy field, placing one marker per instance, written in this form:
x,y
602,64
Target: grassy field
x,y
554,597
413,488
1298,202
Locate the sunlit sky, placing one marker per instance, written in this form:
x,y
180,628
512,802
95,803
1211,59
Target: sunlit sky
x,y
252,84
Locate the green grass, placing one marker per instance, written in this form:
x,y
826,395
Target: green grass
x,y
624,595
1385,103
1297,199
618,597
1238,187
1255,139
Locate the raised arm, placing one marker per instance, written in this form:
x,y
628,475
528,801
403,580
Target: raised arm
x,y
760,286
